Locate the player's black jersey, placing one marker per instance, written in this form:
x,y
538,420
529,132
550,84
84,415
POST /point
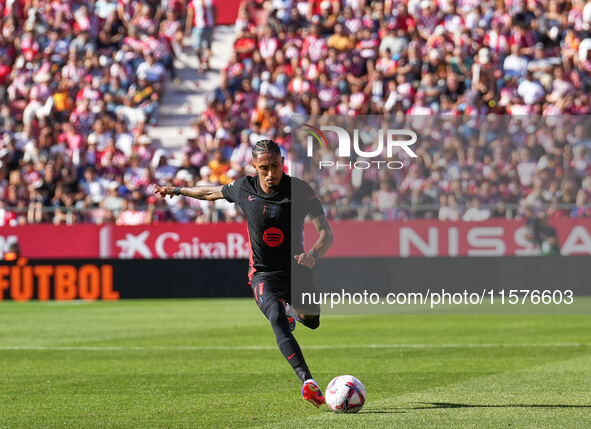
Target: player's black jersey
x,y
275,225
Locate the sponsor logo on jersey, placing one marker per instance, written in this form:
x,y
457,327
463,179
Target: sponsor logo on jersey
x,y
273,237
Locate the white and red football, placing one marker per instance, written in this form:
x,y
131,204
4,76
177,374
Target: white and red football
x,y
345,394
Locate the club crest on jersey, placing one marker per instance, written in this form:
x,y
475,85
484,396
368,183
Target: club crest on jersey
x,y
269,211
273,237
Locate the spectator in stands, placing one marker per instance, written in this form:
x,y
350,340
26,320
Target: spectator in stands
x,y
448,208
476,212
132,214
385,200
201,18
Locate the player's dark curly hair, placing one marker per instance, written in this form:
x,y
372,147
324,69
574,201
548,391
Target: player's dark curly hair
x,y
265,146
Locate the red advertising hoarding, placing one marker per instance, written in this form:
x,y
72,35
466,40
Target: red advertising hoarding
x,y
52,241
497,237
227,11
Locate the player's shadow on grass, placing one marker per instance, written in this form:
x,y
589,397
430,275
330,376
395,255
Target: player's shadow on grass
x,y
440,405
444,405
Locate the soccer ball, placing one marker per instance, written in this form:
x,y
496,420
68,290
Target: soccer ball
x,y
345,394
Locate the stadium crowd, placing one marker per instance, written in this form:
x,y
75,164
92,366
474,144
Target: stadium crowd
x,y
80,84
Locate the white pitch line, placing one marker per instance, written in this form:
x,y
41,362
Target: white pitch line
x,y
310,347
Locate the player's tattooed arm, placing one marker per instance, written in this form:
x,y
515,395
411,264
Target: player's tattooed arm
x,y
210,193
203,192
325,239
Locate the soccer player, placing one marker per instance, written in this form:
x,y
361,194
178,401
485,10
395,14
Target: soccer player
x,y
275,206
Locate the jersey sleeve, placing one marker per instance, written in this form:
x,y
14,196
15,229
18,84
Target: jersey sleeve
x,y
311,201
231,191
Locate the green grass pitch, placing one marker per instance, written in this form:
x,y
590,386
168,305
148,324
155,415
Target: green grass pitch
x,y
214,364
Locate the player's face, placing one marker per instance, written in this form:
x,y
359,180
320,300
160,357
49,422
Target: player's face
x,y
269,168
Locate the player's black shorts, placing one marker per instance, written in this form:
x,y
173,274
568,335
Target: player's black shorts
x,y
271,286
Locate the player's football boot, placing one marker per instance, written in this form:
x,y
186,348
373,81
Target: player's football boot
x,y
311,392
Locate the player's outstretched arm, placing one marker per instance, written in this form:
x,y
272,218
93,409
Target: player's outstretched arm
x,y
210,193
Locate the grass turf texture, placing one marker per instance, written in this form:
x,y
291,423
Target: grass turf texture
x,y
188,364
